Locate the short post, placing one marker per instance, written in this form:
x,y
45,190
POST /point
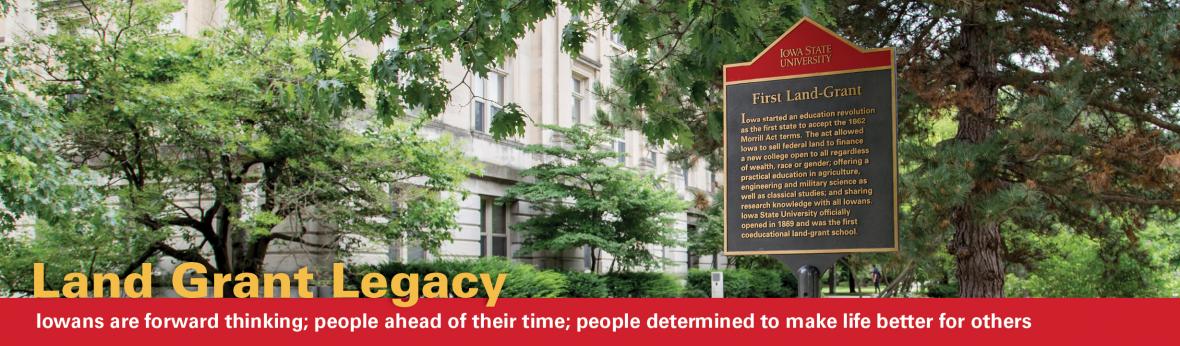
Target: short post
x,y
718,286
808,270
808,285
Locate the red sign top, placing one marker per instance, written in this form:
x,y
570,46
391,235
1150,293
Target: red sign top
x,y
807,48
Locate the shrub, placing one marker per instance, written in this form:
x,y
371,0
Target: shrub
x,y
790,283
642,285
1081,266
585,285
739,284
756,262
940,290
745,283
698,280
768,283
694,293
523,281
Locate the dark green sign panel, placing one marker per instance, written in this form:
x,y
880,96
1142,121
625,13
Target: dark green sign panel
x,y
810,148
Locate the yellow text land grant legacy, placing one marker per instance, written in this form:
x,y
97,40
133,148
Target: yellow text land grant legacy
x,y
405,288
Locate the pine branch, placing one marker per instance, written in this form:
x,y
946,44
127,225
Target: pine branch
x,y
1023,79
1139,200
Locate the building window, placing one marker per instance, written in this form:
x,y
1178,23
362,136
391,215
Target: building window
x,y
587,258
712,181
578,91
493,228
489,99
621,148
664,255
403,250
684,174
406,251
694,259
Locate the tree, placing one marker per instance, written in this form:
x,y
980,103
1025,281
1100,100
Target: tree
x,y
670,86
586,199
708,238
35,181
1065,117
219,146
1079,267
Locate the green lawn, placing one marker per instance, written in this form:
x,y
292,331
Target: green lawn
x,y
842,290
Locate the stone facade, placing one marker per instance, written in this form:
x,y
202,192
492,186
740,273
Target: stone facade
x,y
550,85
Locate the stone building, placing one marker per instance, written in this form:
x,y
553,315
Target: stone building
x,y
549,84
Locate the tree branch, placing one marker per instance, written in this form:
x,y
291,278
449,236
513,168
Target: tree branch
x,y
296,239
1022,79
1136,114
187,255
1138,200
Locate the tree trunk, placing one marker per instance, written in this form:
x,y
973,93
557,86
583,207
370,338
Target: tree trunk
x,y
593,260
851,278
903,282
976,243
976,248
832,279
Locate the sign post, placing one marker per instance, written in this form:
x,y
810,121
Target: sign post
x,y
811,152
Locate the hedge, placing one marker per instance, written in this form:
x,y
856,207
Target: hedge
x,y
746,283
585,285
524,281
642,285
939,290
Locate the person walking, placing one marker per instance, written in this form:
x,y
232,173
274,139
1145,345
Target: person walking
x,y
876,275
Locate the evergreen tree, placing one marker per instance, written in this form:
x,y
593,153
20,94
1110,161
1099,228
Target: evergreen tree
x,y
1065,113
586,198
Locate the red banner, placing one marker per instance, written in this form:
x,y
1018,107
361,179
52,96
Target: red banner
x,y
588,321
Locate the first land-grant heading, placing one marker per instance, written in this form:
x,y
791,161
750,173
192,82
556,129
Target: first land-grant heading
x,y
191,280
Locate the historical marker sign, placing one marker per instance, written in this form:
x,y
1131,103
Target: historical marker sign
x,y
811,147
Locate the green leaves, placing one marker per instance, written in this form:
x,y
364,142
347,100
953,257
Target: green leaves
x,y
35,180
669,88
574,36
263,129
1059,125
1078,266
671,77
634,28
587,199
509,122
480,34
709,236
261,223
62,212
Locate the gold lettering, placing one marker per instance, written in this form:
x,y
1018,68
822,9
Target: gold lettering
x,y
39,282
178,280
